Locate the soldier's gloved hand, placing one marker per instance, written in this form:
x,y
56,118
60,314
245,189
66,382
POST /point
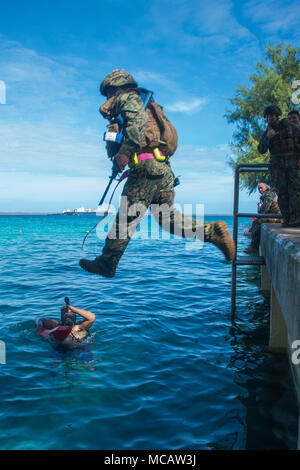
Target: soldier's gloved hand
x,y
121,160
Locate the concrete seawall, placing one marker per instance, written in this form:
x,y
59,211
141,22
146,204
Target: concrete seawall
x,y
281,249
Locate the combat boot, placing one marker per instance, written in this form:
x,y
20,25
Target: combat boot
x,y
99,266
220,237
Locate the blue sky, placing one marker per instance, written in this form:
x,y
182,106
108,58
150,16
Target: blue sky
x,y
192,54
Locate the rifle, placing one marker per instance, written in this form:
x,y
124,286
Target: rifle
x,y
114,174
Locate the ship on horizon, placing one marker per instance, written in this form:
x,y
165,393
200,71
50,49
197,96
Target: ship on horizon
x,y
82,211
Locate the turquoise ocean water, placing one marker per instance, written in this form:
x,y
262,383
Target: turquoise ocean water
x,y
163,367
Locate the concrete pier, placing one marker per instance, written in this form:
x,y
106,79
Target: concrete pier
x,y
281,249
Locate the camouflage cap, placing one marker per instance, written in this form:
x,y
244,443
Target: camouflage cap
x,y
272,110
116,79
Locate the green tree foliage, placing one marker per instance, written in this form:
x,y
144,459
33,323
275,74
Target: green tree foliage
x,y
270,84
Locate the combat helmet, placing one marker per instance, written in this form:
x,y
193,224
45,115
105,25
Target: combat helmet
x,y
273,109
117,78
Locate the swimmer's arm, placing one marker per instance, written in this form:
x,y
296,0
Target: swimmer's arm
x,y
89,317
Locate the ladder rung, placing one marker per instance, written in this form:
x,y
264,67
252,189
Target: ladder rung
x,y
249,260
259,216
252,170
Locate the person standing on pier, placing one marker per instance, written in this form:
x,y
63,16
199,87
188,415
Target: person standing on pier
x,y
294,116
282,139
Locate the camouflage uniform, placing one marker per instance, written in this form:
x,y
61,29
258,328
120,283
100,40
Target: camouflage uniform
x,y
269,206
284,148
149,182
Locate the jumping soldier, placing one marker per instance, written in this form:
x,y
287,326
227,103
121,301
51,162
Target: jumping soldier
x,y
148,141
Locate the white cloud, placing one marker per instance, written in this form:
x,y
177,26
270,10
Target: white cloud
x,y
144,77
51,150
189,106
274,16
46,157
44,88
39,192
212,19
196,160
205,178
48,167
194,24
46,148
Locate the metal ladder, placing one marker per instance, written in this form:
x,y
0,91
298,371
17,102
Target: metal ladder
x,y
245,260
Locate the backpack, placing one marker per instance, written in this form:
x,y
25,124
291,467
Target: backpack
x,y
159,132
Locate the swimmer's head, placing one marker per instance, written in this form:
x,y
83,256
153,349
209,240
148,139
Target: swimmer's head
x,y
68,318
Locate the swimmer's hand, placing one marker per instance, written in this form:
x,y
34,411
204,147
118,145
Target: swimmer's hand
x,y
66,309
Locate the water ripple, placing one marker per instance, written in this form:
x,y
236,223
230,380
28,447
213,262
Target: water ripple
x,y
163,366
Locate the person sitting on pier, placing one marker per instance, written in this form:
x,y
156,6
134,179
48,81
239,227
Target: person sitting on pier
x,y
262,187
268,205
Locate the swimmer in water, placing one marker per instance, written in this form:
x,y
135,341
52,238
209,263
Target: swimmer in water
x,y
67,331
